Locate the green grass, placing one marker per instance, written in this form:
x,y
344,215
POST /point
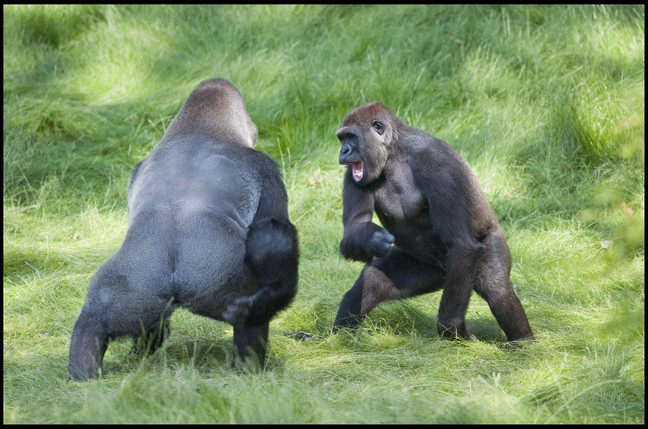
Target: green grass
x,y
545,102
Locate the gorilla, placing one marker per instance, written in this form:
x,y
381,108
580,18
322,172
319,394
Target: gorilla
x,y
439,232
208,230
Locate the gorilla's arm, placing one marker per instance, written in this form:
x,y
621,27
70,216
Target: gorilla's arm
x,y
362,239
271,253
451,198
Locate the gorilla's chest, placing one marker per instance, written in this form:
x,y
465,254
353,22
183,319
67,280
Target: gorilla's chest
x,y
399,201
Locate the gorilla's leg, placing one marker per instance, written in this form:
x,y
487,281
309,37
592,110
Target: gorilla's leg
x,y
152,339
494,285
272,255
395,276
462,265
120,302
92,333
250,346
89,344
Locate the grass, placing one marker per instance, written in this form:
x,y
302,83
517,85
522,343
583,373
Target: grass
x,y
546,103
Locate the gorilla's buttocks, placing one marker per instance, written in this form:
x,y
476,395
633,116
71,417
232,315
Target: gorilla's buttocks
x,y
438,230
208,230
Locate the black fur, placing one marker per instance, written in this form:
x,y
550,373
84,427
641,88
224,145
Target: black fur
x,y
439,230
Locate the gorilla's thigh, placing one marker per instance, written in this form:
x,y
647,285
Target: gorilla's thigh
x,y
210,277
494,266
396,276
128,302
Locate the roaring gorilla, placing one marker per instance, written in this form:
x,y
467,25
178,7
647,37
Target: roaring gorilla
x,y
439,230
208,230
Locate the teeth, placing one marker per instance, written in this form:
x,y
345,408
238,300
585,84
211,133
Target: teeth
x,y
356,170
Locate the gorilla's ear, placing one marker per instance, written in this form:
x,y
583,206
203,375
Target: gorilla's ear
x,y
253,132
394,133
389,130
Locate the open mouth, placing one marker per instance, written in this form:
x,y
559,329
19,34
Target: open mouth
x,y
357,171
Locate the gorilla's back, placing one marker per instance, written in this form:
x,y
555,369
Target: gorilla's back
x,y
190,206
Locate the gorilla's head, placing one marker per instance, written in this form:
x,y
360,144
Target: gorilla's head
x,y
217,109
366,135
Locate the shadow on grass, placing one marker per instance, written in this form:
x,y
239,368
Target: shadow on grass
x,y
198,352
402,319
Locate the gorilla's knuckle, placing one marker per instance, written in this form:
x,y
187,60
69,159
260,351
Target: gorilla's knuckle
x,y
381,241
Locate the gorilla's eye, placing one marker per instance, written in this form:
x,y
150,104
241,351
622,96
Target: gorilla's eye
x,y
379,127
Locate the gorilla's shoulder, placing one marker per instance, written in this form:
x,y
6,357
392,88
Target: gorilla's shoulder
x,y
419,142
263,158
263,162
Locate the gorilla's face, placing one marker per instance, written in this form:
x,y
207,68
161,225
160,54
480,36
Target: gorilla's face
x,y
366,135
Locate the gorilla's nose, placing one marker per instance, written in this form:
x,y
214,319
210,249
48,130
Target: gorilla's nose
x,y
346,150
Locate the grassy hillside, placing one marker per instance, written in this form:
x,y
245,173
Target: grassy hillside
x,y
546,103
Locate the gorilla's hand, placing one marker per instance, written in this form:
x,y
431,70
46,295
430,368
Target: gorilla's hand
x,y
381,242
238,311
250,311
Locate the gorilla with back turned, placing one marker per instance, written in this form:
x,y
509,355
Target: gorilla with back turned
x,y
439,232
208,230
